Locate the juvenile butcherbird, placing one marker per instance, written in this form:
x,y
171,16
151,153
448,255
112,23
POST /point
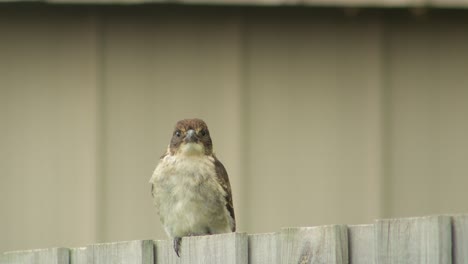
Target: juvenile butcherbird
x,y
190,186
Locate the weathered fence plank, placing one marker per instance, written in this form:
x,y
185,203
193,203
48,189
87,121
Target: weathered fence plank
x,y
413,240
428,240
38,256
460,239
82,255
323,244
164,252
361,244
224,248
264,249
138,252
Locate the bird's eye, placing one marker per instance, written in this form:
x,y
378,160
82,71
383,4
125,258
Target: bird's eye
x,y
177,133
203,132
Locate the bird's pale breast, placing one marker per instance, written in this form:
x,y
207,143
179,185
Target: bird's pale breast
x,y
188,197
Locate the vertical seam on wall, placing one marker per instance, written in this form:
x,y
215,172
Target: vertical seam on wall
x,y
386,136
245,120
100,126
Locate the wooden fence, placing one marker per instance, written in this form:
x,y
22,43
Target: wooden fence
x,y
431,239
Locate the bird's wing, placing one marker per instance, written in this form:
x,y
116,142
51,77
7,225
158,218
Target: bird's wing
x,y
151,180
223,179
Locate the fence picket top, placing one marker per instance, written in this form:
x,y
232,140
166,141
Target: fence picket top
x,y
229,248
164,252
49,255
136,251
361,244
264,248
413,240
81,255
321,244
460,239
428,239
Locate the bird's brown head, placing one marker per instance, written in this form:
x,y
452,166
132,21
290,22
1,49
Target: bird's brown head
x,y
191,137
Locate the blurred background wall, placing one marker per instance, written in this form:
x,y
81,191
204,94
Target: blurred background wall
x,y
320,115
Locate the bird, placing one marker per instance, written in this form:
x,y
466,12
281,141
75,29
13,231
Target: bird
x,y
190,186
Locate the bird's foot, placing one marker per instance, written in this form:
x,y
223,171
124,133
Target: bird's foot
x,y
177,242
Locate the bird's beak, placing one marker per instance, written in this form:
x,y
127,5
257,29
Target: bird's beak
x,y
191,136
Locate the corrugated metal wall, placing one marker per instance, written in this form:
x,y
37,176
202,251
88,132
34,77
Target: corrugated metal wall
x,y
320,116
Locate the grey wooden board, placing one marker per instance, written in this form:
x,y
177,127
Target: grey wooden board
x,y
136,252
164,252
82,255
264,249
413,240
460,239
224,248
38,256
361,244
322,244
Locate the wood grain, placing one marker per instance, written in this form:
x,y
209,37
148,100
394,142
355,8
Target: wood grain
x,y
81,255
361,244
428,240
137,252
264,248
413,240
164,252
224,248
460,239
37,256
323,244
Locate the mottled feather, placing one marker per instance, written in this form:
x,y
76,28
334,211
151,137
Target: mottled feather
x,y
223,179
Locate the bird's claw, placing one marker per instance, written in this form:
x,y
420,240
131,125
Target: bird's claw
x,y
177,242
